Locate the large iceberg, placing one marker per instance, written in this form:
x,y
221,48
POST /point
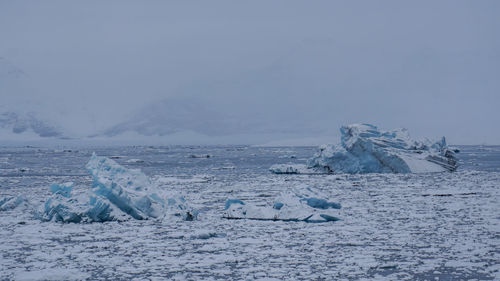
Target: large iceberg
x,y
366,149
292,205
117,193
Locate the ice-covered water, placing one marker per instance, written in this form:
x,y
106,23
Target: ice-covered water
x,y
412,226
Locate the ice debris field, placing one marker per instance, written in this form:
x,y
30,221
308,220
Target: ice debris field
x,y
395,212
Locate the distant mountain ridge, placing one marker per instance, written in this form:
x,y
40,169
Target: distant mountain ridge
x,y
20,123
26,113
171,116
14,119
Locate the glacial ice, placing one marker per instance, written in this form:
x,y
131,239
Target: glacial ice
x,y
64,206
302,204
11,202
366,149
117,193
129,190
63,189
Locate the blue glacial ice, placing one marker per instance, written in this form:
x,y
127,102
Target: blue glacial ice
x,y
62,189
366,149
11,202
299,204
64,206
129,190
117,193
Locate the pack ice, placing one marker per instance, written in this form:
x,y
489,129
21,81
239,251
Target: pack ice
x,y
366,149
117,193
300,204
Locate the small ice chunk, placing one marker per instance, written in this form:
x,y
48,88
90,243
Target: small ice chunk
x,y
321,203
233,201
278,205
290,169
135,161
11,202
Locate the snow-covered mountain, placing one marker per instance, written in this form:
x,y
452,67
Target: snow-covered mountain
x,y
30,112
170,116
16,123
19,117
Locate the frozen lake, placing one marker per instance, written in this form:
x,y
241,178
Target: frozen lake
x,y
393,227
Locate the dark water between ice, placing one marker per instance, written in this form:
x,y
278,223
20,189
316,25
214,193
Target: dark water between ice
x,y
394,227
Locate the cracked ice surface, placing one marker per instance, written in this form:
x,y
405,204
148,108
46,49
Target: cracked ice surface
x,y
393,227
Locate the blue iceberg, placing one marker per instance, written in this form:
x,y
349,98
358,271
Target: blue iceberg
x,y
117,193
233,201
366,149
129,190
297,205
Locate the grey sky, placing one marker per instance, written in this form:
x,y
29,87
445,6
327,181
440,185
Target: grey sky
x,y
301,67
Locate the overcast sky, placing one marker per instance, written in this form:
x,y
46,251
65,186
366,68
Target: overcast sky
x,y
430,66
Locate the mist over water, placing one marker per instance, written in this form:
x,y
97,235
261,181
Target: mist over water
x,y
248,72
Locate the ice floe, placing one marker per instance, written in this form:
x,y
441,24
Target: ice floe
x,y
292,205
292,169
135,161
366,149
